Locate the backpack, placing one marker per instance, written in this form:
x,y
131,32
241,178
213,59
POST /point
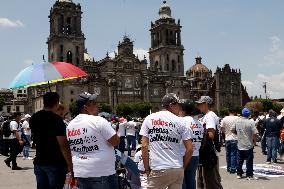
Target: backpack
x,y
6,129
217,139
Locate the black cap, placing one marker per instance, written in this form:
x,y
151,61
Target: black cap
x,y
85,97
170,98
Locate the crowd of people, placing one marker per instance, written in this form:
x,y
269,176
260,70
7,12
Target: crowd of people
x,y
169,146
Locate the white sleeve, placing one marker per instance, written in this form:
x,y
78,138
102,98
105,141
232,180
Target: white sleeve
x,y
106,129
186,133
210,122
13,126
144,128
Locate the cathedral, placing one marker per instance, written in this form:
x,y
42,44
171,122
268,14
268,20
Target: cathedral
x,y
124,78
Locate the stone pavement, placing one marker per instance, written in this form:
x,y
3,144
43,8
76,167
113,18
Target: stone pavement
x,y
25,179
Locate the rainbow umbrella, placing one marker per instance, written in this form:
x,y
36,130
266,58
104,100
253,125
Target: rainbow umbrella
x,y
46,73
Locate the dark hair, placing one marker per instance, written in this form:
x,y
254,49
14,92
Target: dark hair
x,y
16,114
189,108
50,99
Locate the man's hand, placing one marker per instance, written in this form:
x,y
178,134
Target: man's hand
x,y
188,152
21,142
145,154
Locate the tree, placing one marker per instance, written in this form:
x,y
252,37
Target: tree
x,y
142,109
2,103
104,107
74,111
124,109
224,111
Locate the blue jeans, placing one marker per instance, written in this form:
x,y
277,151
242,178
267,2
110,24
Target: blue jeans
x,y
189,181
50,177
263,144
231,147
272,146
26,148
248,156
131,143
104,182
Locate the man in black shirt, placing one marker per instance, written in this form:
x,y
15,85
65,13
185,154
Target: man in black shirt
x,y
53,156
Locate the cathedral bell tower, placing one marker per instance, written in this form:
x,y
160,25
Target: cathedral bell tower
x,y
66,41
166,52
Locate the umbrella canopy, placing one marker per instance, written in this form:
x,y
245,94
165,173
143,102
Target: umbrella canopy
x,y
39,74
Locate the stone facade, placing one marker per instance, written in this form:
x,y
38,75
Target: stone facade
x,y
125,78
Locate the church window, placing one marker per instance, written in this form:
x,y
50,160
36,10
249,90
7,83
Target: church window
x,y
77,49
77,61
167,37
173,65
171,37
61,48
72,100
178,68
167,67
60,24
156,64
178,59
168,57
61,58
69,57
68,28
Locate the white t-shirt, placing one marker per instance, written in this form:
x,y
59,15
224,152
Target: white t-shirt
x,y
165,132
138,159
14,126
197,133
227,123
92,155
210,120
130,128
121,129
26,128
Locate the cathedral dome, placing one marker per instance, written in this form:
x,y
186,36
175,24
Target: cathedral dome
x,y
165,11
197,70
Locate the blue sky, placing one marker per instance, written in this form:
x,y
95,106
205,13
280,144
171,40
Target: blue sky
x,y
245,34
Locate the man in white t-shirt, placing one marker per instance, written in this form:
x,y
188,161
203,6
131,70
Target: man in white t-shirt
x,y
162,132
187,112
91,139
231,141
26,136
16,141
130,136
210,122
121,134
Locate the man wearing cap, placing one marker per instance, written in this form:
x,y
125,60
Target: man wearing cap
x,y
162,133
210,121
26,136
91,139
246,135
53,157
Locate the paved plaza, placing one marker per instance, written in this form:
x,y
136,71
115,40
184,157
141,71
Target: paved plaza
x,y
25,178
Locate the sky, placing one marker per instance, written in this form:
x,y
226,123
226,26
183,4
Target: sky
x,y
248,35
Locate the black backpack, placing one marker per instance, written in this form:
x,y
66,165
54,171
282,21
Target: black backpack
x,y
217,139
6,129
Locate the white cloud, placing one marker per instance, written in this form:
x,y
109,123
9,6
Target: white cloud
x,y
275,55
28,61
274,83
5,22
140,52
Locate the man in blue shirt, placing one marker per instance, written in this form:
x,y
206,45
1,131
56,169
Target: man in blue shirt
x,y
272,129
